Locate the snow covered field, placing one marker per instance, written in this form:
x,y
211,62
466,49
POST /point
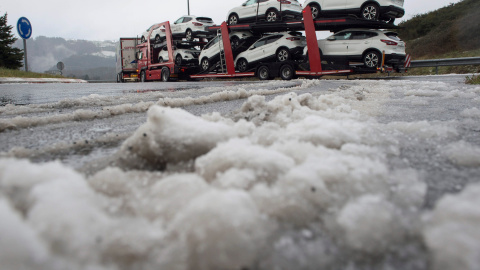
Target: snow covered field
x,y
307,174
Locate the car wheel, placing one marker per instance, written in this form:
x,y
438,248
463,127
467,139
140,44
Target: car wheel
x,y
315,11
287,72
233,19
272,15
283,55
242,65
189,35
165,74
160,60
178,60
143,76
205,64
263,73
157,39
143,39
235,42
371,59
370,12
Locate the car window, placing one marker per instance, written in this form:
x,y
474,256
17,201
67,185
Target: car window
x,y
179,21
187,19
250,2
212,42
343,36
274,38
360,35
260,43
205,20
393,36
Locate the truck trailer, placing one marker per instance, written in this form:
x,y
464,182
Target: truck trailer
x,y
126,67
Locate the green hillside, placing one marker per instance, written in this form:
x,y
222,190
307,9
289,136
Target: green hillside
x,y
452,31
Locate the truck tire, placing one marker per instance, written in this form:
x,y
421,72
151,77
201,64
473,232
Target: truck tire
x,y
286,72
165,74
263,73
370,12
143,76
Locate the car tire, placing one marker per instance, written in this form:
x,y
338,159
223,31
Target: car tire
x,y
315,11
160,60
178,60
242,65
370,12
371,59
233,19
283,54
263,73
165,74
157,39
287,72
143,39
272,15
234,42
143,76
189,35
205,64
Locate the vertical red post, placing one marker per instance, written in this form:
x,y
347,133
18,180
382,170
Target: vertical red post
x,y
313,51
168,34
227,48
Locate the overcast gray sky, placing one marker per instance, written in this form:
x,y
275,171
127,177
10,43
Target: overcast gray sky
x,y
110,20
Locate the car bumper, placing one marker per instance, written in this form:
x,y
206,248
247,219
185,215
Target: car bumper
x,y
395,59
292,14
392,12
297,53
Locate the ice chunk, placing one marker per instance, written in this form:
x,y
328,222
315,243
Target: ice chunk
x,y
452,231
463,154
171,136
217,230
370,224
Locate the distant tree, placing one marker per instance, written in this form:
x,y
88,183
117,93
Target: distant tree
x,y
10,57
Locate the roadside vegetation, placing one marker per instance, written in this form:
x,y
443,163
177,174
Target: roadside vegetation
x,y
475,79
4,72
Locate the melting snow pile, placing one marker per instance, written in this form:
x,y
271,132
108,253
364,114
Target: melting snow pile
x,y
300,182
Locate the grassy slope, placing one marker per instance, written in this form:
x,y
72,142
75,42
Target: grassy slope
x,y
22,74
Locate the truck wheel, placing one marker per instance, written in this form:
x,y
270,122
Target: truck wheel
x,y
283,55
371,59
272,15
370,12
178,60
315,11
205,64
242,65
287,72
165,74
189,35
263,73
233,19
143,76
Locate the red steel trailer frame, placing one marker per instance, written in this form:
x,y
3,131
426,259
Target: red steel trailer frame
x,y
313,52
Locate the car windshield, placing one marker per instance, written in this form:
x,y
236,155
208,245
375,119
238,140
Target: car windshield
x,y
204,20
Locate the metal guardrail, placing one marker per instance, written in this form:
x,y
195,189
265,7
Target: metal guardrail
x,y
466,61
